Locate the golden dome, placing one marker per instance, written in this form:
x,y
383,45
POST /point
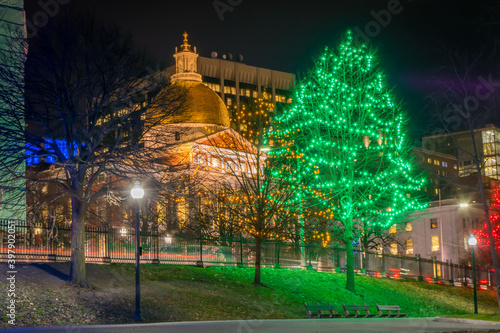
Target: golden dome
x,y
204,106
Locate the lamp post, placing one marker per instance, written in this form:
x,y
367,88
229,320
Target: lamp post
x,y
472,242
137,193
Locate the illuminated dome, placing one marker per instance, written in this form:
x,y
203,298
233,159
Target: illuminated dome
x,y
204,106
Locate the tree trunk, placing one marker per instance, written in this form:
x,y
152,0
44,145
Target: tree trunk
x,y
350,265
258,245
78,275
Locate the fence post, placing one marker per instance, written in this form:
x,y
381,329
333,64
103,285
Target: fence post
x,y
383,274
419,261
451,276
155,240
240,264
337,260
277,255
199,263
309,267
107,255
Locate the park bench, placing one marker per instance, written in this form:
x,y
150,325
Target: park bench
x,y
353,311
321,311
391,311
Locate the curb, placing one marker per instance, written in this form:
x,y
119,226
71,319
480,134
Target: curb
x,y
467,321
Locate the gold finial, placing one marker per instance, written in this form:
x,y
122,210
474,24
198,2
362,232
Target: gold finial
x,y
185,46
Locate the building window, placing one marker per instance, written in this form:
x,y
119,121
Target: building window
x,y
444,164
429,160
434,223
201,159
408,226
435,243
466,242
229,102
409,246
393,229
255,94
437,191
436,162
177,136
227,90
394,248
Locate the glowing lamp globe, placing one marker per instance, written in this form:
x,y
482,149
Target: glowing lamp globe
x,y
137,192
472,240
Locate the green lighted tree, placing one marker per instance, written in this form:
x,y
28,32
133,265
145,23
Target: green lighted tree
x,y
343,143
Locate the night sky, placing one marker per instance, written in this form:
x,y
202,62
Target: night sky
x,y
288,35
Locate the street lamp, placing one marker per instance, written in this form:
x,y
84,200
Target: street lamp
x,y
472,242
137,193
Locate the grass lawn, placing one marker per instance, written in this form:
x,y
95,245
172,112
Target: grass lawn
x,y
187,293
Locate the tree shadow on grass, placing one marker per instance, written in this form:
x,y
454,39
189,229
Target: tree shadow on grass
x,y
52,271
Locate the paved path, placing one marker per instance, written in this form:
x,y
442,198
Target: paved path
x,y
278,326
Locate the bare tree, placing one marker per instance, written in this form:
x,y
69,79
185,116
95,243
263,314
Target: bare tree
x,y
463,102
91,108
256,200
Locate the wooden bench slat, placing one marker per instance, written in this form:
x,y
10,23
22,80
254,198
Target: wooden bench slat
x,y
356,308
330,311
389,311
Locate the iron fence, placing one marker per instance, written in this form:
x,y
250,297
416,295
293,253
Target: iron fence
x,y
112,245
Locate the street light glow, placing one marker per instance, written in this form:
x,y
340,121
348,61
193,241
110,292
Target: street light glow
x,y
137,192
472,240
464,205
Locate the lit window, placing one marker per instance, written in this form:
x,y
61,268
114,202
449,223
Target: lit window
x,y
233,90
247,93
436,162
408,226
434,223
437,191
455,166
201,159
429,160
227,90
435,243
437,269
393,229
229,102
409,246
255,94
466,242
242,92
444,164
394,248
215,162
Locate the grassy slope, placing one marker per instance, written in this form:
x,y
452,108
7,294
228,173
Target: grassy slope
x,y
227,291
184,293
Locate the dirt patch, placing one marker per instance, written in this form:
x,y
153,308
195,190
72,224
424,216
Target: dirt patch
x,y
44,298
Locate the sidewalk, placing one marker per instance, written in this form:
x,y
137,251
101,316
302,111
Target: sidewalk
x,y
381,325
